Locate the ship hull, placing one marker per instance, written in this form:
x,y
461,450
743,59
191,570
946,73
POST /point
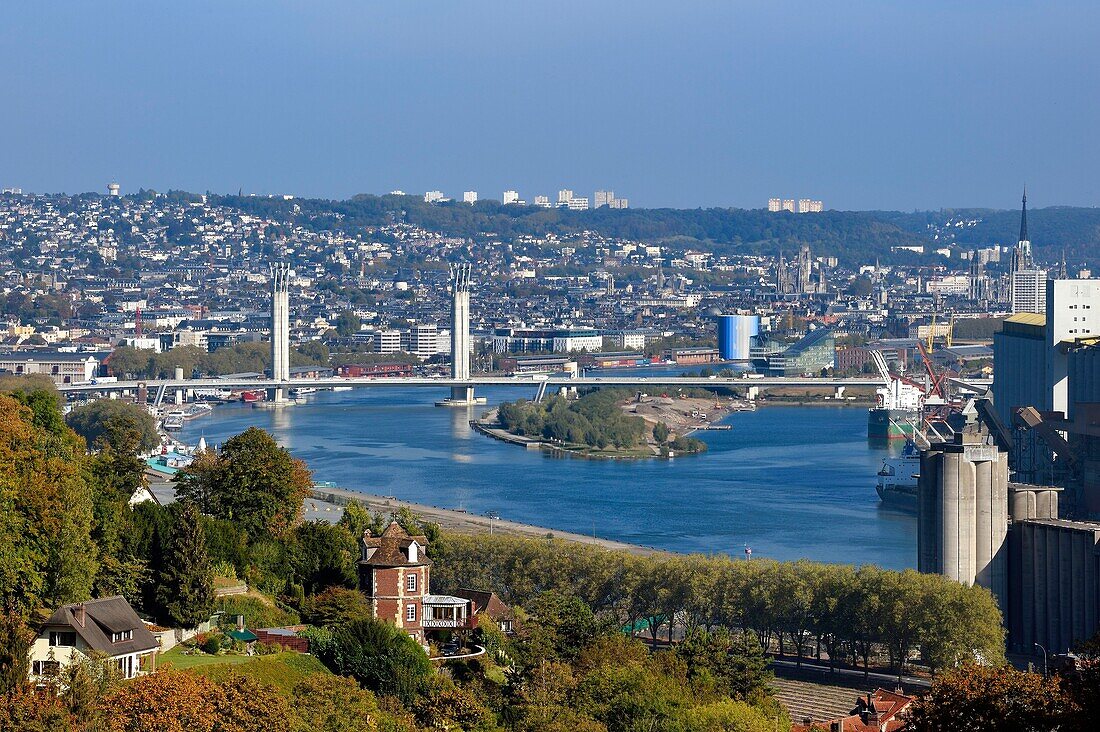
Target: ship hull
x,y
897,500
890,424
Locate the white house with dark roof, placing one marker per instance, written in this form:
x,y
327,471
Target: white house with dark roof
x,y
108,626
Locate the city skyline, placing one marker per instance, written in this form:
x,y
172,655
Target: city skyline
x,y
706,106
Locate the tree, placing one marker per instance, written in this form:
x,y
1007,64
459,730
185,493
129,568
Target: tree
x,y
242,704
381,657
861,286
114,423
185,585
45,507
347,324
453,708
27,710
336,606
326,703
728,716
721,661
978,698
324,556
560,626
252,482
15,649
83,686
661,432
167,701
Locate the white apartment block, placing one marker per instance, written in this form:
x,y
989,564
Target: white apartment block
x,y
578,204
775,204
607,198
469,197
62,367
387,341
433,197
788,204
564,197
511,197
1029,291
806,205
542,201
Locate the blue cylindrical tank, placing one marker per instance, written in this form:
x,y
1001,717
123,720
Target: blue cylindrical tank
x,y
735,334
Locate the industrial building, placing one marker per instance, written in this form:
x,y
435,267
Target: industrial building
x,y
1034,544
735,334
1031,352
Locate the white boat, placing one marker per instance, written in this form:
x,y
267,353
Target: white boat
x,y
173,423
897,480
302,391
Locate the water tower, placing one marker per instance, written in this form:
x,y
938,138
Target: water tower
x,y
113,189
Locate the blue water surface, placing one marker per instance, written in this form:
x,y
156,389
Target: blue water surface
x,y
789,482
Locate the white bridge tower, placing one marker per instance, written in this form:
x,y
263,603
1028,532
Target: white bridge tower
x,y
280,327
461,396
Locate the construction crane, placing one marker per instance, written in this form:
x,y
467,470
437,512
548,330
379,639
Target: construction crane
x,y
931,333
950,330
935,381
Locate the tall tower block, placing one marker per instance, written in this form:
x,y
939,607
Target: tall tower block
x,y
280,326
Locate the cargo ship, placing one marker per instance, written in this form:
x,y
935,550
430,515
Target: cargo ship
x,y
253,395
898,411
897,480
884,423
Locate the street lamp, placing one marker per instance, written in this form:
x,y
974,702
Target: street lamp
x,y
1044,650
492,515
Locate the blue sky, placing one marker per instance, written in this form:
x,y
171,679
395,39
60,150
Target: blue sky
x,y
866,105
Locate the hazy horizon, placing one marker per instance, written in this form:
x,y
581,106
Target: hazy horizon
x,y
693,105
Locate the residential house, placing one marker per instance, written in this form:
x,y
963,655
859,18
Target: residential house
x,y
108,626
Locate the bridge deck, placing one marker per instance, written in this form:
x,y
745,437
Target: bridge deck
x,y
483,381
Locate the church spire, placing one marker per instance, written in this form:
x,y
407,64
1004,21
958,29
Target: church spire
x,y
1023,218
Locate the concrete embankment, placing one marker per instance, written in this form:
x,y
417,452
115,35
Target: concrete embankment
x,y
467,523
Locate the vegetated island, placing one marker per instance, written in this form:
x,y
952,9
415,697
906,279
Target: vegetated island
x,y
603,423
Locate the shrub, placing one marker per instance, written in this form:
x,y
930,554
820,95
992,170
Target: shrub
x,y
212,644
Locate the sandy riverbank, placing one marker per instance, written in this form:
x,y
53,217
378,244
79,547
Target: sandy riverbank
x,y
682,415
467,523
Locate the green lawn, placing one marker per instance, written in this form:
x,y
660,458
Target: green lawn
x,y
181,661
284,671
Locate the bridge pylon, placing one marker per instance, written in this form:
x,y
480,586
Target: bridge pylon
x,y
461,396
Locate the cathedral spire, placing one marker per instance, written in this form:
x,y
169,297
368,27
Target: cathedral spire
x,y
1023,218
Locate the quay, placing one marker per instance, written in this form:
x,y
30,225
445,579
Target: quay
x,y
461,522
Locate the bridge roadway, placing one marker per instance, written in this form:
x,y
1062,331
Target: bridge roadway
x,y
482,381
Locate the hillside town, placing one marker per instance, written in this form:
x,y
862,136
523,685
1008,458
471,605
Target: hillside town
x,y
84,275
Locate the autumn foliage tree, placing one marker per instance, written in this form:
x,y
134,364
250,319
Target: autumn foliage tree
x,y
46,553
979,698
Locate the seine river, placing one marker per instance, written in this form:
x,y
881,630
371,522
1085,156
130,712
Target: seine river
x,y
789,482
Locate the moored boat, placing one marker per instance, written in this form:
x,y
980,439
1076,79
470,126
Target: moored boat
x,y
898,478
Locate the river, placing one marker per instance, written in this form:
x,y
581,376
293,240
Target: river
x,y
788,482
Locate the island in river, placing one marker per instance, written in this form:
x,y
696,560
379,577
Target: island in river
x,y
610,423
